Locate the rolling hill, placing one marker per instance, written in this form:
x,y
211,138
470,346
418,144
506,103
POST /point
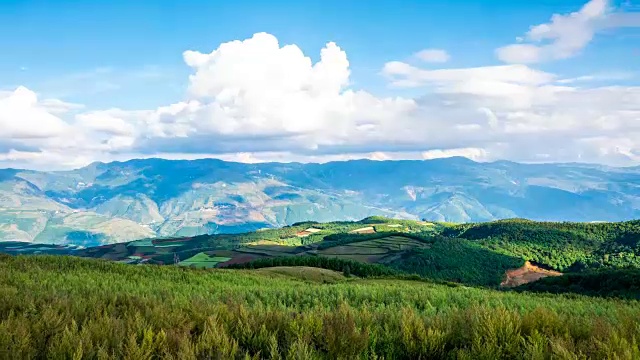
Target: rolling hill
x,y
494,254
391,288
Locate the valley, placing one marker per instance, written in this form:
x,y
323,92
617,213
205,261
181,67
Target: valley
x,y
504,253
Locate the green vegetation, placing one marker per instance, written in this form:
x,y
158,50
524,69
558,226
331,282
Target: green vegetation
x,y
457,260
605,283
66,307
339,239
560,246
475,254
203,261
355,267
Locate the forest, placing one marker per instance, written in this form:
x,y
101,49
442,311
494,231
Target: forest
x,y
618,283
562,246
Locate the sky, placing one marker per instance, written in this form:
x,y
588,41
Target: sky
x,y
316,81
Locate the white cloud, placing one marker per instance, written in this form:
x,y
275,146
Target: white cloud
x,y
23,117
515,74
519,113
105,122
611,76
56,106
512,86
433,55
257,100
565,36
520,54
258,88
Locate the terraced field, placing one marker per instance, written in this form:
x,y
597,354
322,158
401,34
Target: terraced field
x,y
270,250
382,250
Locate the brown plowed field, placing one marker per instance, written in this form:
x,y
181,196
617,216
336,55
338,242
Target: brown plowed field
x,y
526,274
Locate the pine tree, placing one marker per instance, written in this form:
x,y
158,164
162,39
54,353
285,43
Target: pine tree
x,y
346,271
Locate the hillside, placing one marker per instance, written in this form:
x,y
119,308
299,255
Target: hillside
x,y
120,201
485,254
66,307
618,283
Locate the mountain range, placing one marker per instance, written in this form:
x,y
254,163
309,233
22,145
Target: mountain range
x,y
121,201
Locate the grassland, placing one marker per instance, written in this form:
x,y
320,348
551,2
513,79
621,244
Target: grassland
x,y
60,307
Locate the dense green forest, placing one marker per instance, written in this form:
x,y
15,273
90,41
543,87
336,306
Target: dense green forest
x,y
59,307
352,267
623,283
560,246
457,260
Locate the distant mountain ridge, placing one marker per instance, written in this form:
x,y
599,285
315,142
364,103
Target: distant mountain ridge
x,y
121,201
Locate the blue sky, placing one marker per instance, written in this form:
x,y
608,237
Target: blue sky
x,y
63,40
129,54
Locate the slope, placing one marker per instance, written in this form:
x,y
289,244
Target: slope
x,y
66,307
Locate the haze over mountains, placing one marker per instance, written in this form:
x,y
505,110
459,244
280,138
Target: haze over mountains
x,y
120,201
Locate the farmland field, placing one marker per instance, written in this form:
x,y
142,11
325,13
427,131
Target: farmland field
x,y
202,260
358,257
353,249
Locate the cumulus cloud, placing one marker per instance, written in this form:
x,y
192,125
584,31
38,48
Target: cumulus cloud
x,y
433,55
23,117
565,36
260,89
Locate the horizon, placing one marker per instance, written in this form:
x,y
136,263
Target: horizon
x,y
250,82
578,164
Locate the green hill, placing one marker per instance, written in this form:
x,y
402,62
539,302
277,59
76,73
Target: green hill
x,y
561,246
474,254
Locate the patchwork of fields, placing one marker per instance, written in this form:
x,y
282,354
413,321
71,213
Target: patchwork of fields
x,y
370,245
485,254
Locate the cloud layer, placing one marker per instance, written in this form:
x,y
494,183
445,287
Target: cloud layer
x,y
259,100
